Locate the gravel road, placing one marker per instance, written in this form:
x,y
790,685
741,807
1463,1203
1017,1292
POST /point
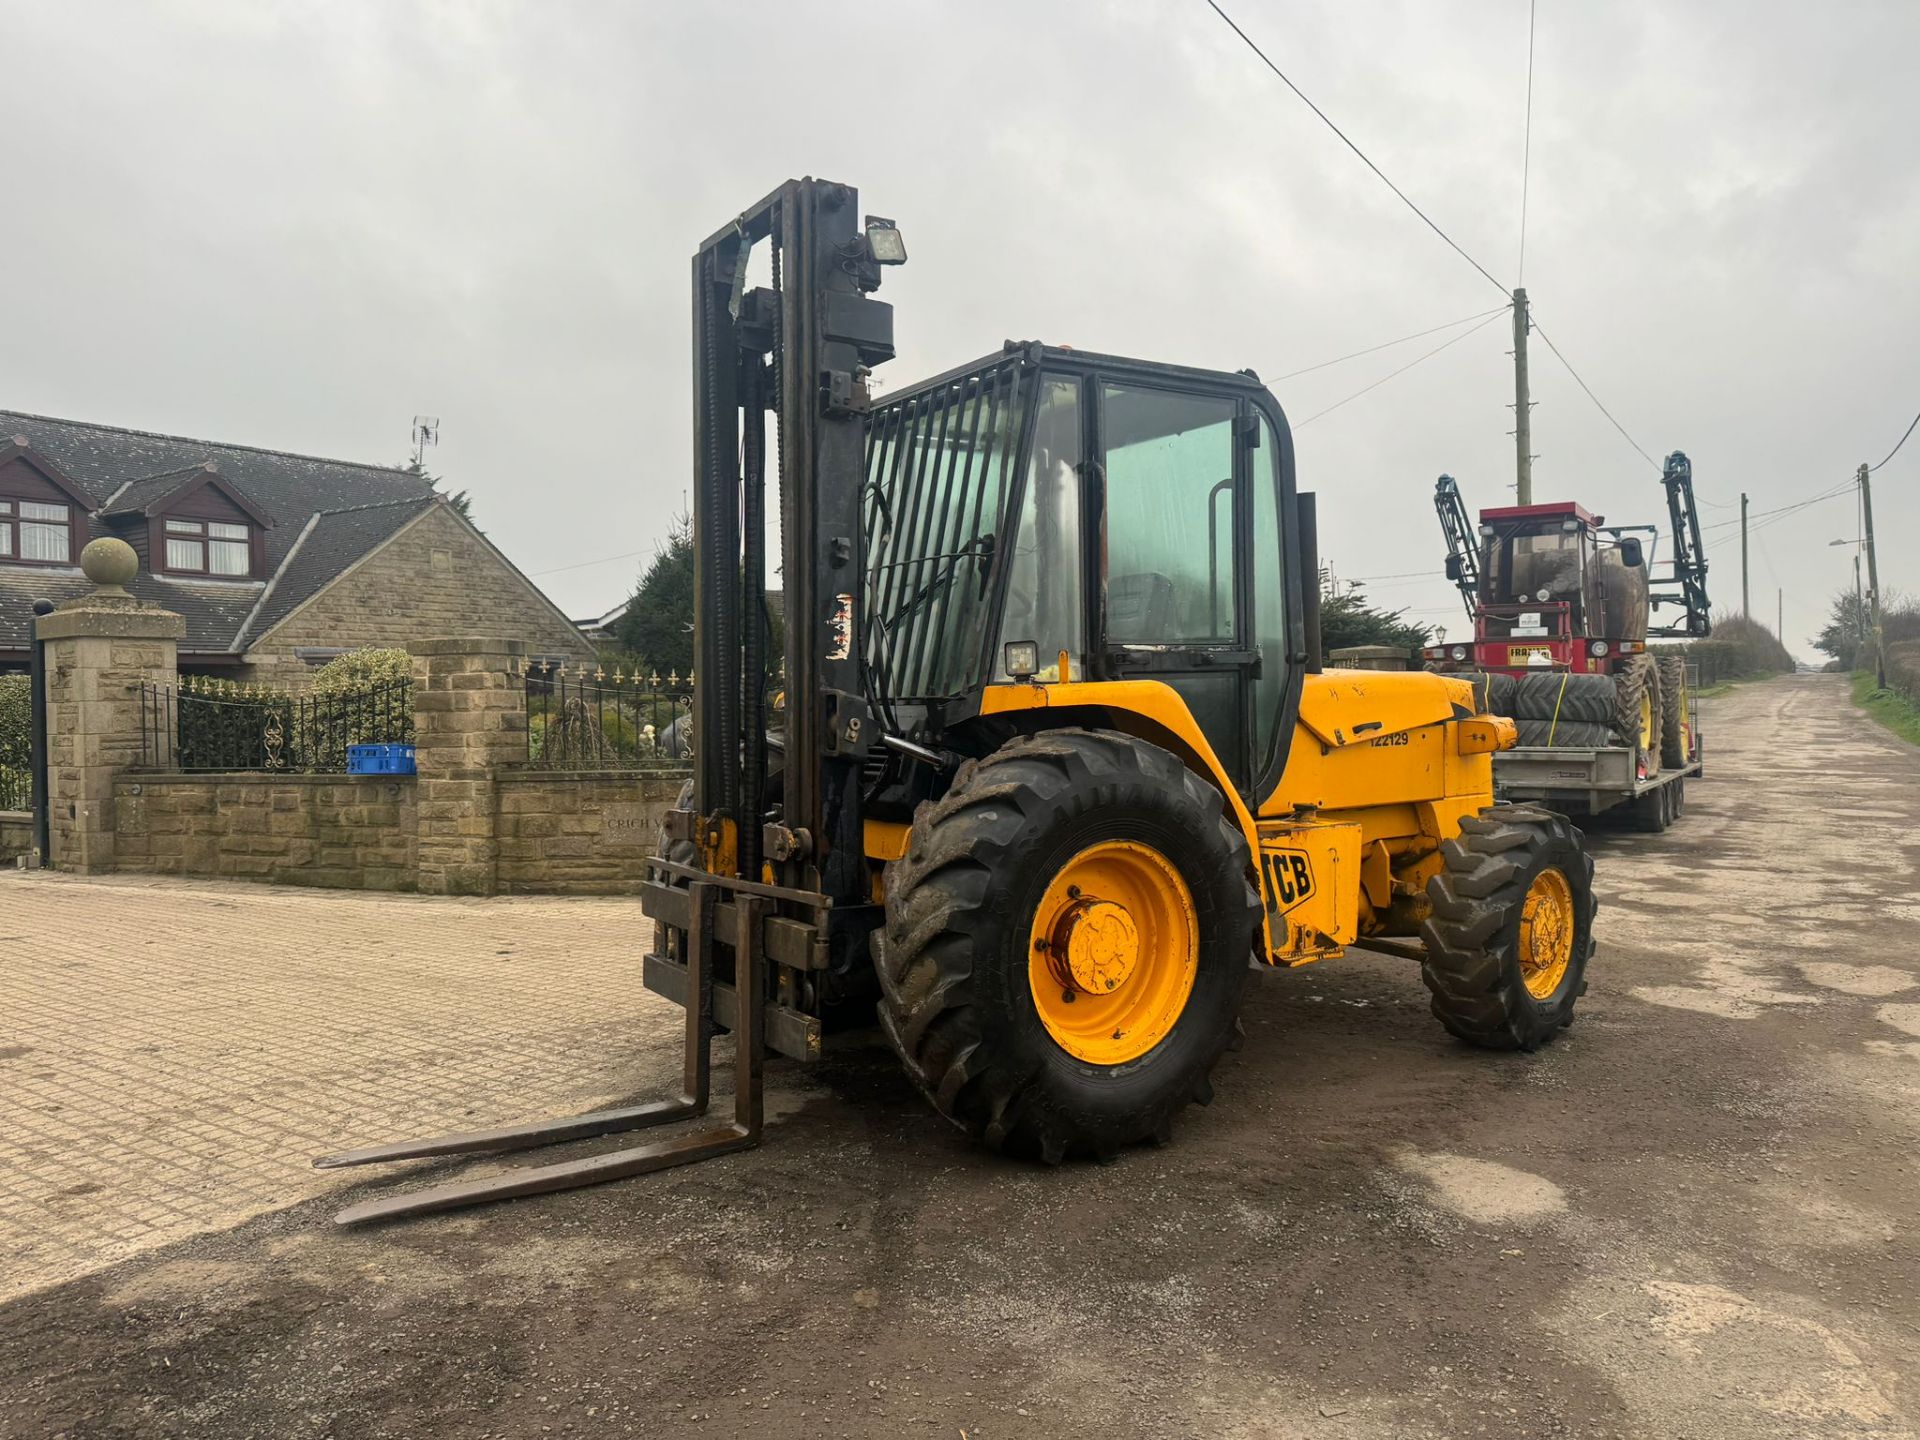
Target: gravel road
x,y
1690,1217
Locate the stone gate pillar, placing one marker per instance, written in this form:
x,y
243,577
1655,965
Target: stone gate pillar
x,y
101,649
469,719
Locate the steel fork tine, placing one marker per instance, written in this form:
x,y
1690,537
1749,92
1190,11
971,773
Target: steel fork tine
x,y
743,1133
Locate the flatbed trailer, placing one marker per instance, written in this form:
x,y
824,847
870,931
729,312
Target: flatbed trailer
x,y
1584,781
1580,781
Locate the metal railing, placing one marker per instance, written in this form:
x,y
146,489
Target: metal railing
x,y
580,719
593,719
204,724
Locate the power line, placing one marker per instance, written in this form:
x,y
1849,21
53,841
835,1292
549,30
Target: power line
x,y
1353,147
1593,397
585,564
1896,449
1488,320
1418,334
1399,575
1526,151
1780,512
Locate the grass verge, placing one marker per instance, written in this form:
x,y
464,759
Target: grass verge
x,y
1887,707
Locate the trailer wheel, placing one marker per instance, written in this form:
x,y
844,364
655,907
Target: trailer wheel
x,y
1673,711
1511,929
1653,809
1066,944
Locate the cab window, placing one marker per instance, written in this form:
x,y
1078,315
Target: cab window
x,y
1169,509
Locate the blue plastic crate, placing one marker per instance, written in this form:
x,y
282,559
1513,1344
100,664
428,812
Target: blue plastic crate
x,y
380,760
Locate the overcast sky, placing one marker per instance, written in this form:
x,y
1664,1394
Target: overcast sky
x,y
297,225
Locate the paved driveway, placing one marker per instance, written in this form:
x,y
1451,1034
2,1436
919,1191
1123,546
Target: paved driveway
x,y
1690,1217
173,1054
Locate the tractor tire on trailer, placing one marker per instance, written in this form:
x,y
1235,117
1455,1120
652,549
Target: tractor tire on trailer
x,y
1636,707
1673,711
1493,692
1563,734
1066,944
1556,695
1512,928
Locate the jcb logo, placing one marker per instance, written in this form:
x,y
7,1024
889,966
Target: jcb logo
x,y
1289,877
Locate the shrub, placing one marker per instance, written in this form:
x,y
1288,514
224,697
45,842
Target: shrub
x,y
16,742
359,669
1740,648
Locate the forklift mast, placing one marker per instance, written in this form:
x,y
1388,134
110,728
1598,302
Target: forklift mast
x,y
1687,587
800,346
1463,546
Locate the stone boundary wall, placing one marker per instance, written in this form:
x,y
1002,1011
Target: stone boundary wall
x,y
554,833
350,832
580,833
16,834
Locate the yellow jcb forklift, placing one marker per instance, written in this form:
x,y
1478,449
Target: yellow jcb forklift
x,y
1059,762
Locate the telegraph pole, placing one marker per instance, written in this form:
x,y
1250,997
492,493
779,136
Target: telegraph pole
x,y
1746,607
1522,406
1873,580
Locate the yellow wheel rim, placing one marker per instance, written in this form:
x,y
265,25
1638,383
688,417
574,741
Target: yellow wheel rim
x,y
1113,951
1647,739
1546,933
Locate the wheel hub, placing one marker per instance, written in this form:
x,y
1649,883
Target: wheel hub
x,y
1095,946
1115,950
1546,933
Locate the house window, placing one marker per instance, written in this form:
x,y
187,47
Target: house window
x,y
208,547
34,530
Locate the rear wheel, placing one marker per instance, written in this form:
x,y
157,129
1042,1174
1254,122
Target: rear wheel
x,y
1636,708
1511,929
1066,944
1673,711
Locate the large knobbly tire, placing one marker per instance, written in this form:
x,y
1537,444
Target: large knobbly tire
x,y
1555,695
1478,936
1633,682
1673,711
954,959
1492,692
1563,734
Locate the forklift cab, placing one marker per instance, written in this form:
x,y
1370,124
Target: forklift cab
x,y
1048,515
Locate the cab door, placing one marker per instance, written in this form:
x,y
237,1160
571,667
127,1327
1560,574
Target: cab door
x,y
1174,602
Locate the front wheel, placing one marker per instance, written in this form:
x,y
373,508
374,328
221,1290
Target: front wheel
x,y
1066,944
1511,929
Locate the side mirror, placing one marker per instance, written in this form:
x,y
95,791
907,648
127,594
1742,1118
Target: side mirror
x,y
1453,568
1631,554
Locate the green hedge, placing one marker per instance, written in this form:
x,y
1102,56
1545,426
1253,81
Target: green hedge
x,y
16,743
1738,649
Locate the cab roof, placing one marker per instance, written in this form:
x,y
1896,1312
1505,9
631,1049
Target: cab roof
x,y
1552,510
1065,357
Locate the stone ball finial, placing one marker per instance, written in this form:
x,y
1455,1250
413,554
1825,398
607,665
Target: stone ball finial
x,y
109,564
